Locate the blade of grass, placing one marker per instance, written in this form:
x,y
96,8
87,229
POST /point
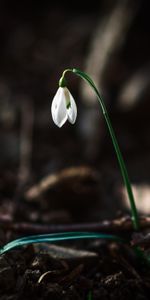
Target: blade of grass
x,y
49,238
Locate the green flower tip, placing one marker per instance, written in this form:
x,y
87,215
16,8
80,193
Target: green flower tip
x,y
62,82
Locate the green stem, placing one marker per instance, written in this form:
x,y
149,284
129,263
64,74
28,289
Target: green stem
x,y
123,169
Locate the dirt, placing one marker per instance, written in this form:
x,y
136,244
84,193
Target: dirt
x,y
84,269
113,274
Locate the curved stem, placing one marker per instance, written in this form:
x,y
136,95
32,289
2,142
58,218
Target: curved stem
x,y
123,169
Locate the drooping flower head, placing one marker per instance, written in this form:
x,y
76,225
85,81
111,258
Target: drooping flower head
x,y
63,106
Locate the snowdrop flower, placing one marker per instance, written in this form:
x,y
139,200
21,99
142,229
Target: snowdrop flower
x,y
63,107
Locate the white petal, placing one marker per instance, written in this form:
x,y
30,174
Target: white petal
x,y
72,110
58,108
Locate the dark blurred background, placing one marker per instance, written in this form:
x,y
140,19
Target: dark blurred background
x,y
110,40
